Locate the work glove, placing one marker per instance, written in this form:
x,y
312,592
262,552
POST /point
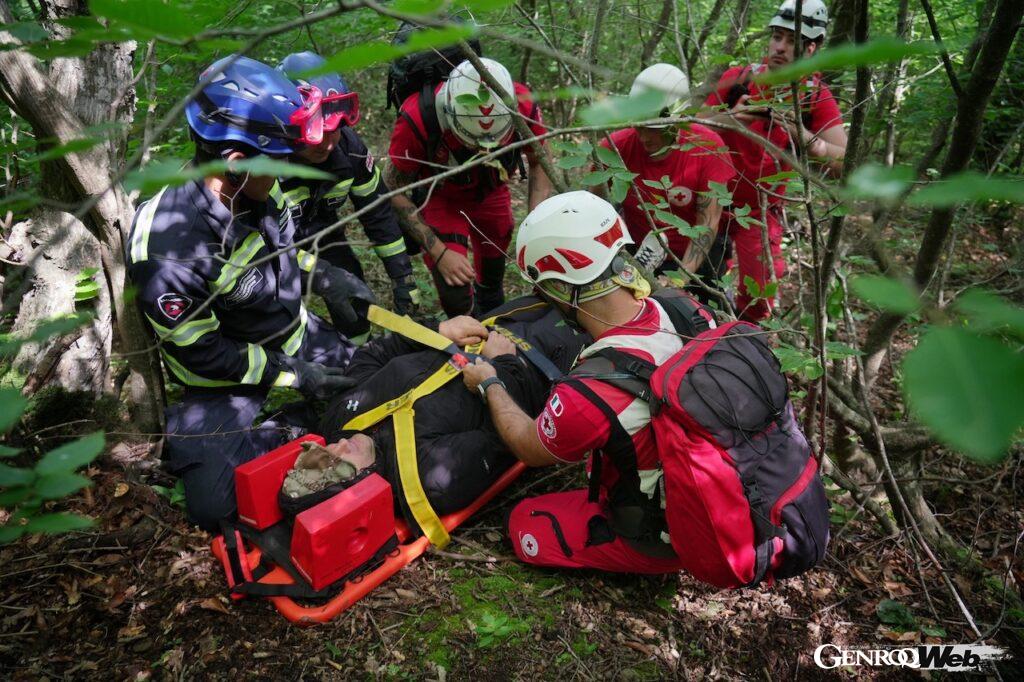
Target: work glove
x,y
315,380
340,288
406,295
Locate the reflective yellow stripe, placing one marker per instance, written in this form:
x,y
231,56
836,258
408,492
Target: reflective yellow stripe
x,y
388,250
277,195
285,380
143,226
237,263
307,261
405,445
368,187
257,365
291,346
190,378
297,195
339,191
188,333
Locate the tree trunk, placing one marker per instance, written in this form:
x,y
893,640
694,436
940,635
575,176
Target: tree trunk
x,y
969,117
60,104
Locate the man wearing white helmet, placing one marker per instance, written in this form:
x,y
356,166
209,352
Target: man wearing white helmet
x,y
690,157
572,248
441,128
768,112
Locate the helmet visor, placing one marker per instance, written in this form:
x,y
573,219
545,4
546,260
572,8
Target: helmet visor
x,y
340,108
310,118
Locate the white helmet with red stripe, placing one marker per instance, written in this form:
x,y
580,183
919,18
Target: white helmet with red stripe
x,y
473,112
573,240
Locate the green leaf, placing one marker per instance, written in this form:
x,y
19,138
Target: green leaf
x,y
367,54
421,7
969,187
849,55
892,612
12,476
11,407
10,533
27,31
151,18
989,312
933,631
596,177
485,5
60,151
887,294
779,177
6,452
610,157
14,496
796,361
56,486
569,162
619,190
835,349
874,181
175,173
60,522
613,110
57,326
752,287
966,389
70,456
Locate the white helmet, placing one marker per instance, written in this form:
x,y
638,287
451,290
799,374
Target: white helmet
x,y
667,79
573,240
471,110
815,18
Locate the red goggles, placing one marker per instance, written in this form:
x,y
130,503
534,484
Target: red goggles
x,y
320,114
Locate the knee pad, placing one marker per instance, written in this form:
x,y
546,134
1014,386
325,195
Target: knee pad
x,y
456,300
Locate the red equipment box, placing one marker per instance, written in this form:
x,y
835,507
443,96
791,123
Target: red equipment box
x,y
336,536
258,482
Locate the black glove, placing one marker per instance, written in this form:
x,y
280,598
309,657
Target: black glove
x,y
406,295
339,288
316,380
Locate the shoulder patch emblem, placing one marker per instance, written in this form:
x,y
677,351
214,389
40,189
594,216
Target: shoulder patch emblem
x,y
369,161
556,405
173,306
547,424
680,196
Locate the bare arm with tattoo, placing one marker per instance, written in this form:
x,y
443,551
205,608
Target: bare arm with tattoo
x,y
454,267
709,215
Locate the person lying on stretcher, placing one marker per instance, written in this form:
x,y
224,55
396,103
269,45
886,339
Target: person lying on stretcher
x,y
458,451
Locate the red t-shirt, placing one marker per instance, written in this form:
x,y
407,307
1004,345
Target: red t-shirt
x,y
701,159
751,159
571,426
408,152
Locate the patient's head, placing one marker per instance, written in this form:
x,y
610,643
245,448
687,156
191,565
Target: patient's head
x,y
357,449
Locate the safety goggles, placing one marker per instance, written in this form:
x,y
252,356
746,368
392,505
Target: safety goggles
x,y
790,15
309,118
323,113
340,108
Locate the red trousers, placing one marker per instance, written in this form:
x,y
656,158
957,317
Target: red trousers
x,y
566,530
491,216
750,256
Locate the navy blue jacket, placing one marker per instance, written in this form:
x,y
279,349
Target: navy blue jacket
x,y
314,204
222,307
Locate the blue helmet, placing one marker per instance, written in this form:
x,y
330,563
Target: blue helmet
x,y
328,83
248,102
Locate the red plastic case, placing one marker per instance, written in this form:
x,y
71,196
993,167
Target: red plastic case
x,y
338,535
258,482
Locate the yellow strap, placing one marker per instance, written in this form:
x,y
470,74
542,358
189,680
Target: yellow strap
x,y
408,471
407,327
442,376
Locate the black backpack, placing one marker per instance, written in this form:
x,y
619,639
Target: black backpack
x,y
411,73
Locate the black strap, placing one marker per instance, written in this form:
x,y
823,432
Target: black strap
x,y
533,354
557,528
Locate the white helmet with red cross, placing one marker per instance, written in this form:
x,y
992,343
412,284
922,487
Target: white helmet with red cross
x,y
813,22
571,246
472,111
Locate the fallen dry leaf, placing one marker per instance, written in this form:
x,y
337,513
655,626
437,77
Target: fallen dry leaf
x,y
120,489
214,604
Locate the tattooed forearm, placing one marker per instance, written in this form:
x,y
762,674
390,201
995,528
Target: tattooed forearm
x,y
708,215
406,212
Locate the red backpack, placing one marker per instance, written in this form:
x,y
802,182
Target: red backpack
x,y
740,496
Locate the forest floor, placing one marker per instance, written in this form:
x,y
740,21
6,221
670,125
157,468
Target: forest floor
x,y
140,596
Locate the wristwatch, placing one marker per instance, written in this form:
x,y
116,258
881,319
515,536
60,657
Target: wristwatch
x,y
489,381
